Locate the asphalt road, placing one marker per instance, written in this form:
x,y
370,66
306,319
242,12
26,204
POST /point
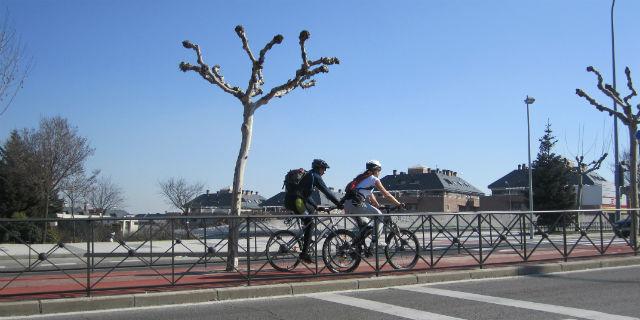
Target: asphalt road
x,y
601,294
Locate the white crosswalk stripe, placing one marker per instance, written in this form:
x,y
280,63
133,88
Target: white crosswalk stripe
x,y
381,307
567,311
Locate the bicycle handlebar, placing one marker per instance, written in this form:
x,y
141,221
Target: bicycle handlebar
x,y
388,208
325,209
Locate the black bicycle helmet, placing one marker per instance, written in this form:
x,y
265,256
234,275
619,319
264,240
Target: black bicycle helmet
x,y
319,163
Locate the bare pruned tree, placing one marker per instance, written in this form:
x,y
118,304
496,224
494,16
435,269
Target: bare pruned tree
x,y
629,119
178,192
105,195
252,98
14,66
583,168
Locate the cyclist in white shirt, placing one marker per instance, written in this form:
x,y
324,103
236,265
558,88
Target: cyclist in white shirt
x,y
365,202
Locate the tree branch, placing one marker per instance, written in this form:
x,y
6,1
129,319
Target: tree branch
x,y
245,43
257,79
633,93
203,69
304,35
606,88
622,117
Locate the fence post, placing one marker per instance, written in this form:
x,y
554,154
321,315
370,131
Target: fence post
x,y
458,231
564,235
480,239
315,241
151,242
524,239
173,252
90,252
490,229
374,238
431,241
601,232
206,246
248,231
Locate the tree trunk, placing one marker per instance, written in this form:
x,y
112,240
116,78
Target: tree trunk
x,y
579,199
46,215
633,150
236,196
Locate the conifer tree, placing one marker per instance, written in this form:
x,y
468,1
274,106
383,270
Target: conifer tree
x,y
551,187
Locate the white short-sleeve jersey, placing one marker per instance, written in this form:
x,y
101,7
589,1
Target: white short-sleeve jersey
x,y
366,186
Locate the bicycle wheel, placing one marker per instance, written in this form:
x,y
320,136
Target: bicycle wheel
x,y
340,252
283,250
402,249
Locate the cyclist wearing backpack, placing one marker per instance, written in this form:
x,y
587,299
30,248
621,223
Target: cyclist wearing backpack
x,y
359,198
302,202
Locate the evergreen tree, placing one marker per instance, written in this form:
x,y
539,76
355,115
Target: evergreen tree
x,y
551,187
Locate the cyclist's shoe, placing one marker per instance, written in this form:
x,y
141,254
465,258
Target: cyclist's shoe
x,y
306,258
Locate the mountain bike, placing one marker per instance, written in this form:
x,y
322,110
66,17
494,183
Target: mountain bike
x,y
284,246
343,250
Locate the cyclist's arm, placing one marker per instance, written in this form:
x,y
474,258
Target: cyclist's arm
x,y
319,183
386,193
374,200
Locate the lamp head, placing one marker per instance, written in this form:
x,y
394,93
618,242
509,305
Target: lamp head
x,y
529,100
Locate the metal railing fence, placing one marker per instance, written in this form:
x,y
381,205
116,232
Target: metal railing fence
x,y
86,256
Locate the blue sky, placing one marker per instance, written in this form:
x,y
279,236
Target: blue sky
x,y
436,83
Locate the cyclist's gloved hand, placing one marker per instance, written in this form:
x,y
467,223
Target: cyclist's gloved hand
x,y
402,205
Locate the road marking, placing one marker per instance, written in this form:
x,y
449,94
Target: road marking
x,y
567,311
381,307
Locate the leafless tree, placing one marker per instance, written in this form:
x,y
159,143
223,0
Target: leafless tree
x,y
105,195
252,98
629,119
60,153
178,192
583,168
14,66
77,187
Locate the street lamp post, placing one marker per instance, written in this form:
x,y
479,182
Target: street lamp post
x,y
528,101
619,181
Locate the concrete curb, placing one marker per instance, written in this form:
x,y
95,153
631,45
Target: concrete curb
x,y
23,308
86,304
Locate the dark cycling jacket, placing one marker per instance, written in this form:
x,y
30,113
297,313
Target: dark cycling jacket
x,y
314,180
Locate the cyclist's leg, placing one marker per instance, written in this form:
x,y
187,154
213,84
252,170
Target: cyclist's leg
x,y
307,223
351,208
370,209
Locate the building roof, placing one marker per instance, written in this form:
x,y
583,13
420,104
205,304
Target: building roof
x,y
421,178
222,199
519,178
318,197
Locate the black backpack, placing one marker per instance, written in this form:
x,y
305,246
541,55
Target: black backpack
x,y
291,191
351,190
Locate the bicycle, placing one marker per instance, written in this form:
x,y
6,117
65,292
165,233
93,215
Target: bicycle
x,y
284,246
343,250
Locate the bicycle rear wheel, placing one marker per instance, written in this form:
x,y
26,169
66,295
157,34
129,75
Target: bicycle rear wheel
x,y
340,252
283,250
402,249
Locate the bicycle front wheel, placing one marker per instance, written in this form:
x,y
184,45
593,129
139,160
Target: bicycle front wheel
x,y
402,249
283,250
340,252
